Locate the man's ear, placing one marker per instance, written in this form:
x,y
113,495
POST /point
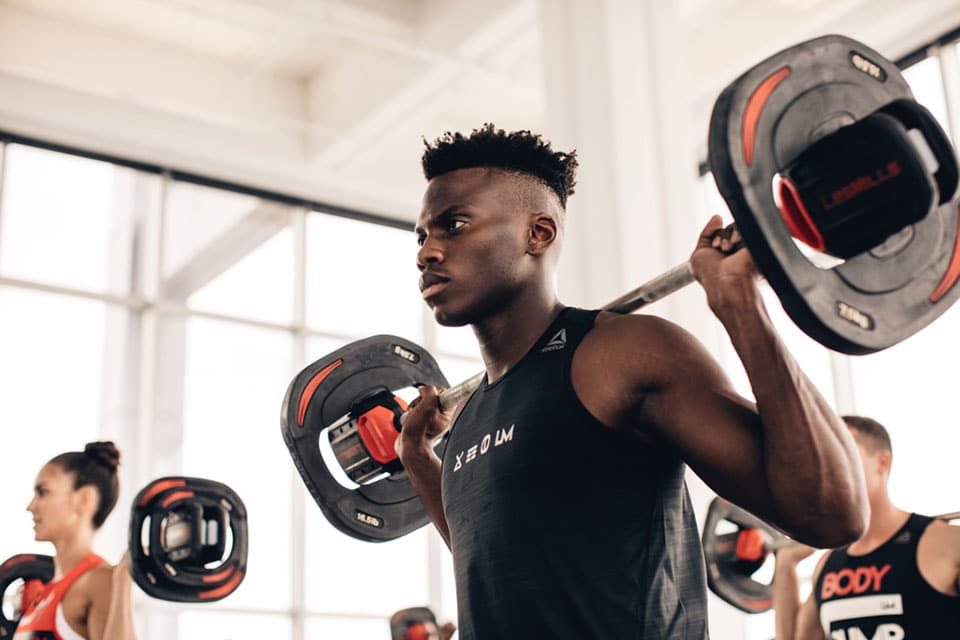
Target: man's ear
x,y
543,233
885,459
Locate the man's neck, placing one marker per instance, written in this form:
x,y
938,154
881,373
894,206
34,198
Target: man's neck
x,y
506,337
885,520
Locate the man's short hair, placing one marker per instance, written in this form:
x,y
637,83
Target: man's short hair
x,y
517,151
873,434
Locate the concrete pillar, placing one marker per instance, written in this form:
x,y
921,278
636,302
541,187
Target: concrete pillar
x,y
616,91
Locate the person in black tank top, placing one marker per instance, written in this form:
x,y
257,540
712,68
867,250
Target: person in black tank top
x,y
898,582
589,511
561,491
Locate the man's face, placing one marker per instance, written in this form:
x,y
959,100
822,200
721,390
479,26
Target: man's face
x,y
473,232
876,464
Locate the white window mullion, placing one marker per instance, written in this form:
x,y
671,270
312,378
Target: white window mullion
x,y
298,515
950,75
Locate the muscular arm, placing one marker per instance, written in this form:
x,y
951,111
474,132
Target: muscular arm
x,y
938,557
806,454
423,469
951,545
788,458
421,425
798,447
794,621
954,533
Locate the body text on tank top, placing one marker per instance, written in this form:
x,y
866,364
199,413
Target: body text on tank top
x,y
882,595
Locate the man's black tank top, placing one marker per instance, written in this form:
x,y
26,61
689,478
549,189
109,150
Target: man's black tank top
x,y
560,526
881,594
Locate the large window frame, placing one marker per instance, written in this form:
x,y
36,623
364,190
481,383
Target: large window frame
x,y
148,306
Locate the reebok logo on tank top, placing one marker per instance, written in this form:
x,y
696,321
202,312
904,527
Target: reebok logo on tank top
x,y
557,342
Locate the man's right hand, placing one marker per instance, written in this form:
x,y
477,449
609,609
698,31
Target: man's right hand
x,y
447,630
793,554
422,424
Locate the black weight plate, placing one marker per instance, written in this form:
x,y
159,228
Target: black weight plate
x,y
326,391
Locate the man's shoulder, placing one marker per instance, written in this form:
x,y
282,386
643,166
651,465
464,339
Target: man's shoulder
x,y
639,335
940,533
638,326
626,358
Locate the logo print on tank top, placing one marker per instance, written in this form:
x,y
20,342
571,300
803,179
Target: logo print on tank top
x,y
29,617
852,581
496,439
557,342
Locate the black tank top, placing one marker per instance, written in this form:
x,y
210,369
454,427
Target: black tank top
x,y
562,527
882,595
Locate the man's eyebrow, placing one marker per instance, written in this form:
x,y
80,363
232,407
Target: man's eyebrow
x,y
440,216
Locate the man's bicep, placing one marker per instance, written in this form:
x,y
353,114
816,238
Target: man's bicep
x,y
808,616
808,622
650,375
716,431
953,533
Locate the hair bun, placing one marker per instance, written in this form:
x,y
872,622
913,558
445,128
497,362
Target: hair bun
x,y
104,452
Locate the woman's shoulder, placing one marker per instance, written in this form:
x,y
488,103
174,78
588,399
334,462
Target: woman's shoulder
x,y
97,579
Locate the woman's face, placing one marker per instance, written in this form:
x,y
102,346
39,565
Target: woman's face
x,y
56,506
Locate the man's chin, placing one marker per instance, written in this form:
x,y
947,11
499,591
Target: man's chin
x,y
448,318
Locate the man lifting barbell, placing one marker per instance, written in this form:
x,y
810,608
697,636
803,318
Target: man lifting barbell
x,y
900,580
563,472
560,489
562,499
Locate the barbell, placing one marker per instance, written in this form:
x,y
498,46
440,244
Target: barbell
x,y
736,544
819,148
187,543
188,539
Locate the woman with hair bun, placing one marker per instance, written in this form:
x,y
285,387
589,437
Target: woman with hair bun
x,y
88,599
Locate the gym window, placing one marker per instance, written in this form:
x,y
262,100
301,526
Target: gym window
x,y
887,386
168,312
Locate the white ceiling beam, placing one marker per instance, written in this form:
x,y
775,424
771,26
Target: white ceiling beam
x,y
472,31
226,249
259,158
283,18
137,71
720,50
294,24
